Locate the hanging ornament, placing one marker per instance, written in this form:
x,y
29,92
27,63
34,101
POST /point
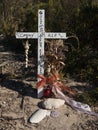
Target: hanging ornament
x,y
26,46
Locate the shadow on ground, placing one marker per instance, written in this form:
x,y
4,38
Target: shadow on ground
x,y
19,86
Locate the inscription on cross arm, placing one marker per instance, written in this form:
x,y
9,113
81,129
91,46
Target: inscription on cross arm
x,y
41,35
34,35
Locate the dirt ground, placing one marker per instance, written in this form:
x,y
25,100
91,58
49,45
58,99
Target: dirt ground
x,y
18,100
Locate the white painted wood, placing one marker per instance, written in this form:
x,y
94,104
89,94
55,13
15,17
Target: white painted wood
x,y
26,35
41,25
35,35
57,35
40,35
41,42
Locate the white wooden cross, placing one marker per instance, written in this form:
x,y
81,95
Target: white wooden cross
x,y
40,35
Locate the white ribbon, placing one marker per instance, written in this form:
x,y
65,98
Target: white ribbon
x,y
74,104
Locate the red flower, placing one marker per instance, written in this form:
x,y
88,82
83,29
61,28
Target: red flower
x,y
47,93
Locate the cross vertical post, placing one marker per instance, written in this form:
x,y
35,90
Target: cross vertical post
x,y
41,33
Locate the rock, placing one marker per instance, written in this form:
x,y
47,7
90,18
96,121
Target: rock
x,y
52,103
54,113
39,115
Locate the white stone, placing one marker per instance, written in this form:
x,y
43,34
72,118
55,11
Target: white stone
x,y
39,115
52,103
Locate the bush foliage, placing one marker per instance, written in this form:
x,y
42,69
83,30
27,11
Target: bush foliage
x,y
76,17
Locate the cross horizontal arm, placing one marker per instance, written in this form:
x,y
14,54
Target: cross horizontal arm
x,y
34,35
54,35
26,35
